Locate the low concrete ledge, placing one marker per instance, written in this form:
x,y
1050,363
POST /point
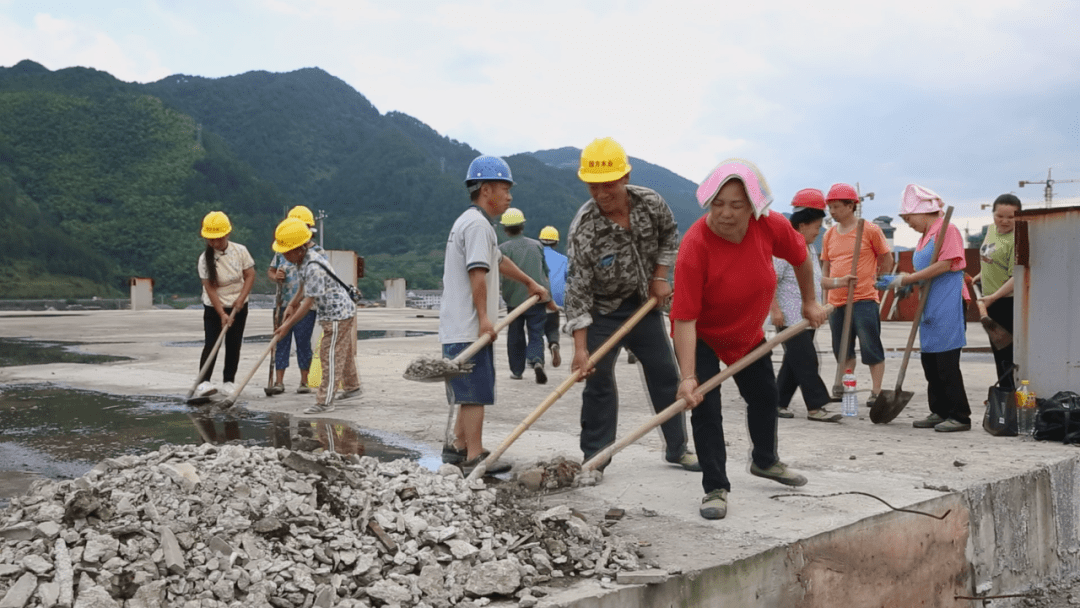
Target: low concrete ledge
x,y
998,538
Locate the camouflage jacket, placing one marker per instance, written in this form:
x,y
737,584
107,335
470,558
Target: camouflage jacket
x,y
608,263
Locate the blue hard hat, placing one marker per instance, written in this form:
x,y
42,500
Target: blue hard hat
x,y
484,168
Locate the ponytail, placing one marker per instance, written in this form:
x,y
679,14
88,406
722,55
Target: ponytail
x,y
211,265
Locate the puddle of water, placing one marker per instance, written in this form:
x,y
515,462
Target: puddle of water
x,y
60,433
15,351
363,334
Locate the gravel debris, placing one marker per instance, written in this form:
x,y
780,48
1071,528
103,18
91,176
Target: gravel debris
x,y
228,526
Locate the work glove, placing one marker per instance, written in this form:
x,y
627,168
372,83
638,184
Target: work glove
x,y
889,281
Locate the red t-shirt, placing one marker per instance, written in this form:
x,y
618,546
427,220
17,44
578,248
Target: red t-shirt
x,y
729,287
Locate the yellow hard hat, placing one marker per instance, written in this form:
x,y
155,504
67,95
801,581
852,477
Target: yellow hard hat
x,y
215,225
604,160
303,214
290,234
512,217
549,233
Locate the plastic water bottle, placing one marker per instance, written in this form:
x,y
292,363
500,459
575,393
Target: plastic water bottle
x,y
1025,409
850,403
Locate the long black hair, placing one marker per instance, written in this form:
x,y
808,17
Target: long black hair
x,y
211,264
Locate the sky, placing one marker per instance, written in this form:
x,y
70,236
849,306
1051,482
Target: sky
x,y
965,97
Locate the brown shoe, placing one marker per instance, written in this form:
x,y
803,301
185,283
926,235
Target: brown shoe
x,y
556,358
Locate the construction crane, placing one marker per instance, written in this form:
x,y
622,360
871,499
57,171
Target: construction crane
x,y
1050,181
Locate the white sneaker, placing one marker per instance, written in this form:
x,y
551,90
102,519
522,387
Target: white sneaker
x,y
204,389
228,388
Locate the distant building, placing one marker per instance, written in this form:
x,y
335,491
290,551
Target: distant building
x,y
428,299
885,223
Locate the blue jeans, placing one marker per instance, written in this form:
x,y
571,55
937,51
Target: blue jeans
x,y
302,330
866,325
525,349
551,327
757,385
600,400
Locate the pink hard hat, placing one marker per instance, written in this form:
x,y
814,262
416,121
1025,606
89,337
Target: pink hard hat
x,y
746,172
918,199
842,192
811,198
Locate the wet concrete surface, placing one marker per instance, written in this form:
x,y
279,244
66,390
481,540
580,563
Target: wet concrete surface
x,y
16,351
53,432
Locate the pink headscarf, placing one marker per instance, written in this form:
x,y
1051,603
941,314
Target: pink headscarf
x,y
743,170
918,199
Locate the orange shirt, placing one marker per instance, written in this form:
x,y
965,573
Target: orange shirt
x,y
837,249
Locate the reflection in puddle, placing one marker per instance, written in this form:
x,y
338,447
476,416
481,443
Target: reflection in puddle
x,y
363,334
60,433
14,351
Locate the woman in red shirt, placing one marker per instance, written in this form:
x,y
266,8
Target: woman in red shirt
x,y
724,285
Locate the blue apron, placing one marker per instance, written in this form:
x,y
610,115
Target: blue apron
x,y
943,327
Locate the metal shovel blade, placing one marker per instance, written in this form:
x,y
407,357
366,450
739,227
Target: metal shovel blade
x,y
888,405
1000,338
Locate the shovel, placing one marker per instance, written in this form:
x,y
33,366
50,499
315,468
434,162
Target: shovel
x,y
437,369
231,399
889,404
594,358
849,311
670,411
1000,338
269,390
204,399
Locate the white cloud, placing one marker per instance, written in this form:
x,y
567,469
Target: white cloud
x,y
59,43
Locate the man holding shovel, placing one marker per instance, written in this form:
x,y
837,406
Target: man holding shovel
x,y
622,243
470,305
525,334
875,259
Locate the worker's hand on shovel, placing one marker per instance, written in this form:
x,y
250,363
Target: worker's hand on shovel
x,y
687,392
581,362
890,281
487,329
660,289
814,313
536,289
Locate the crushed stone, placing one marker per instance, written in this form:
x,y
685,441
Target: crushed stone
x,y
227,526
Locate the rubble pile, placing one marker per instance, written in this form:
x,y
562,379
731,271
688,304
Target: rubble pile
x,y
550,475
208,526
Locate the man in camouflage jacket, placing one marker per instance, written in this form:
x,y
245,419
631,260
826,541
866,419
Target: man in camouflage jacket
x,y
621,245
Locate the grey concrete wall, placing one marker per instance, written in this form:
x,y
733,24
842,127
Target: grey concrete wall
x,y
998,538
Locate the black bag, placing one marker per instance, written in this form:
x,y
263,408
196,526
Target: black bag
x,y
1000,417
1058,418
354,293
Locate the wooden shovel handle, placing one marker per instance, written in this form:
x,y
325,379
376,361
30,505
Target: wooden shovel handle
x,y
240,387
594,358
849,308
213,353
924,292
670,411
485,339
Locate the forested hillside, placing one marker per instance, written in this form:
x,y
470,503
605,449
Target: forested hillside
x,y
105,180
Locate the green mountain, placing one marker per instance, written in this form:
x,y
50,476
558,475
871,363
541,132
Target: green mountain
x,y
104,182
105,179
